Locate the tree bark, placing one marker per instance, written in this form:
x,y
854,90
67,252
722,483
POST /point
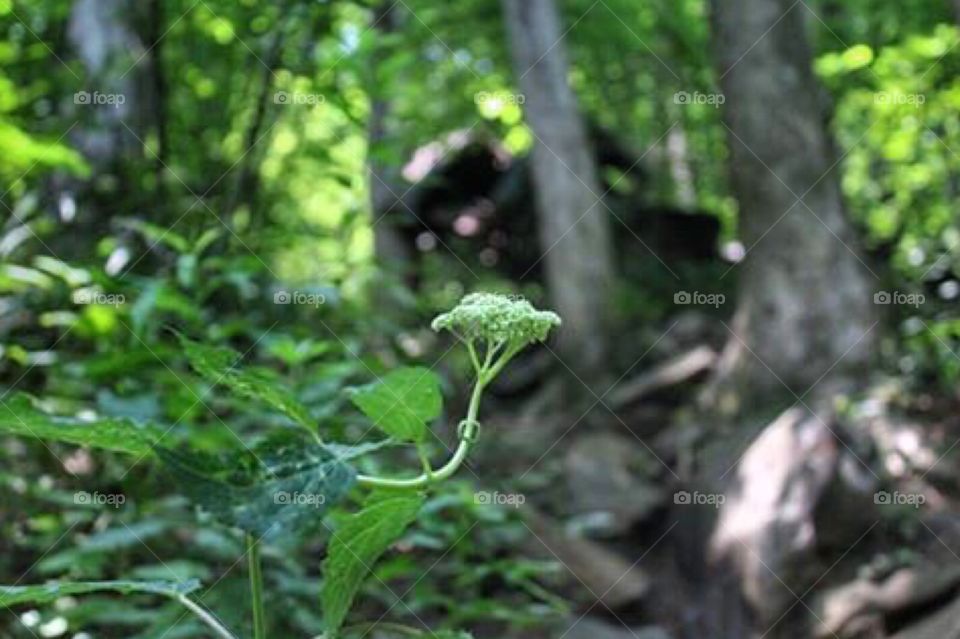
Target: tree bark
x,y
573,224
806,295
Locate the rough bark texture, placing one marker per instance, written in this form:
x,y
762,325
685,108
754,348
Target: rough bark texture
x,y
806,302
573,224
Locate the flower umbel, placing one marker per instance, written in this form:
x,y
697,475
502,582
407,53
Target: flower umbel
x,y
494,328
496,319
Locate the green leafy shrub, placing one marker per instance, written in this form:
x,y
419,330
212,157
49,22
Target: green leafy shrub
x,y
281,487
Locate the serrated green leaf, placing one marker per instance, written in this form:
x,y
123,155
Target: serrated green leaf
x,y
18,416
271,491
46,593
356,547
219,365
402,402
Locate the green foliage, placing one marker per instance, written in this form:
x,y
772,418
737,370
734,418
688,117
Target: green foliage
x,y
356,547
896,116
21,152
270,491
219,366
280,488
18,416
47,593
402,403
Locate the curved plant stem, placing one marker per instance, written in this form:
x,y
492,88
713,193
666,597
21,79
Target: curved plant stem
x,y
256,587
448,469
206,617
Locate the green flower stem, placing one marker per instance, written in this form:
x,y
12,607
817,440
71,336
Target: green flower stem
x,y
256,587
206,617
497,356
448,469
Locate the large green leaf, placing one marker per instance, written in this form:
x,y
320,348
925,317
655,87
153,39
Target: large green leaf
x,y
219,366
19,416
276,489
46,593
402,402
356,547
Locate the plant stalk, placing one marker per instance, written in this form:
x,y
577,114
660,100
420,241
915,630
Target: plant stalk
x,y
448,469
256,587
206,617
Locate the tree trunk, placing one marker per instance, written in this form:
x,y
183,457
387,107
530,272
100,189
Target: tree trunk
x,y
100,33
806,295
573,223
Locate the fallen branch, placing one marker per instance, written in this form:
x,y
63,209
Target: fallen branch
x,y
674,371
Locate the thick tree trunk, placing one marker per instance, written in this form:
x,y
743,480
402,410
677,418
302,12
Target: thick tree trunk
x,y
573,224
806,301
